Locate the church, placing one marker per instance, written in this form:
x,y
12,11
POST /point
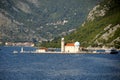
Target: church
x,y
70,47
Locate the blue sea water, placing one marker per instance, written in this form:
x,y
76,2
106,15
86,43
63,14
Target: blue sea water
x,y
57,66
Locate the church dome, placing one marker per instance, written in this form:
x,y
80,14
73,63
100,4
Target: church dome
x,y
77,43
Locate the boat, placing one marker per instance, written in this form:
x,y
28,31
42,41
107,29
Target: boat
x,y
22,50
15,51
113,51
106,51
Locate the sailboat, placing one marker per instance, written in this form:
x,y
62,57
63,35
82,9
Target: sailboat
x,y
22,50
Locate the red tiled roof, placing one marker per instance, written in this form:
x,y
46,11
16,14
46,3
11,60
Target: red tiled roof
x,y
42,48
69,44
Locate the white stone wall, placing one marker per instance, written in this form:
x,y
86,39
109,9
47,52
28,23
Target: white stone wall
x,y
69,49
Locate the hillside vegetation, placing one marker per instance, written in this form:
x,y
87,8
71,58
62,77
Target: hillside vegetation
x,y
101,28
41,20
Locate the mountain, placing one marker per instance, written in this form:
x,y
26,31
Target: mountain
x,y
101,28
41,20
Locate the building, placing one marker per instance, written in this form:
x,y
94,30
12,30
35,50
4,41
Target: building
x,y
31,44
41,50
70,47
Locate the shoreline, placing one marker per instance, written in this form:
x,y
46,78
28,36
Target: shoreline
x,y
33,52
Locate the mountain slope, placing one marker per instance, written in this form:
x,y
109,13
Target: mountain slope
x,y
27,20
102,26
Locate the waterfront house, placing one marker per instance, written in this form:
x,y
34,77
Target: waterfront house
x,y
41,50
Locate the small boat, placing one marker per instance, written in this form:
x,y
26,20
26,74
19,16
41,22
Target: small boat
x,y
113,51
22,50
107,51
15,51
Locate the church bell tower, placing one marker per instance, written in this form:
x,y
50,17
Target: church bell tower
x,y
62,45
